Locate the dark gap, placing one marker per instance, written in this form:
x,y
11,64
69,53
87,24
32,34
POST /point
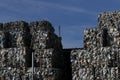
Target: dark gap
x,y
27,36
94,68
28,57
7,43
106,39
67,67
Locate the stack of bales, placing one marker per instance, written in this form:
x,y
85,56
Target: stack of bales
x,y
97,63
44,44
100,58
16,34
13,63
43,35
14,50
110,21
18,40
92,38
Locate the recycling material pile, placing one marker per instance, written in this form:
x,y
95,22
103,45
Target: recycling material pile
x,y
13,57
12,63
44,43
43,58
43,35
44,74
92,38
96,74
98,60
91,60
100,57
95,38
111,21
26,74
18,40
13,73
44,65
16,34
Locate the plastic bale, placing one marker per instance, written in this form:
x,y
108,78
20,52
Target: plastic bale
x,y
43,58
92,38
13,57
43,35
109,20
45,73
17,34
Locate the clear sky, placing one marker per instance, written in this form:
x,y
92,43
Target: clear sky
x,y
72,15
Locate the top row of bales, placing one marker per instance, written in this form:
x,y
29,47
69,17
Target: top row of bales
x,y
39,34
24,26
106,34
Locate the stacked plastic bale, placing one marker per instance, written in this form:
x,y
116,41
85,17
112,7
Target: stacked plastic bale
x,y
80,67
47,58
43,62
100,62
16,34
112,37
12,74
106,73
44,74
43,35
97,37
84,74
13,62
106,60
43,58
15,57
111,22
92,38
44,43
107,33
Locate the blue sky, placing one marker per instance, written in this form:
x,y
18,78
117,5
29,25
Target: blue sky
x,y
72,15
